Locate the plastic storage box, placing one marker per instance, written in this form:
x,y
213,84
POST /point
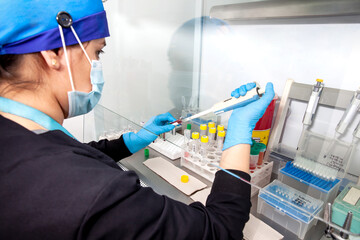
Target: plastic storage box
x,y
289,207
318,166
348,200
325,190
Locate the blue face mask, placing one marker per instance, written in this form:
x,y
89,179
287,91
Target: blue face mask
x,y
82,102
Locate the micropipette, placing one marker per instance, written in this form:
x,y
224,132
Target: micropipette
x,y
346,119
349,113
311,109
313,102
227,105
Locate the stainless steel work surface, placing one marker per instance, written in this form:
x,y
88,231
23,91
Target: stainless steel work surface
x,y
135,163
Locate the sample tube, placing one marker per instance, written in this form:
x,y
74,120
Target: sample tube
x,y
212,134
187,134
195,144
262,148
220,128
254,156
203,129
211,125
220,140
204,148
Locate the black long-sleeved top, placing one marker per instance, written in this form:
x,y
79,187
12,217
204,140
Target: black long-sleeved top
x,y
54,187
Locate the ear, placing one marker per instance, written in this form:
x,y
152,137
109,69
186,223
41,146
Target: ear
x,y
51,58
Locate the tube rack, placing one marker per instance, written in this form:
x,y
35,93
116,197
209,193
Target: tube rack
x,y
259,176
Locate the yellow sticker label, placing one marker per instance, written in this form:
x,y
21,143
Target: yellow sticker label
x,y
261,136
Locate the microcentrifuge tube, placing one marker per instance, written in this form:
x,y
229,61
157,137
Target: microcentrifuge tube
x,y
212,134
195,144
220,140
204,148
203,129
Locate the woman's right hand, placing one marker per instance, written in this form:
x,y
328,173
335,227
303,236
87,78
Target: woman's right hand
x,y
243,120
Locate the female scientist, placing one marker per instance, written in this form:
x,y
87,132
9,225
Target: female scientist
x,y
54,187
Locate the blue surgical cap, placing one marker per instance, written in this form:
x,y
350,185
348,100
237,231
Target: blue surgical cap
x,y
28,26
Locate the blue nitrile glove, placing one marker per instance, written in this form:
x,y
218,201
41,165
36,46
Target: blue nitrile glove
x,y
243,119
150,131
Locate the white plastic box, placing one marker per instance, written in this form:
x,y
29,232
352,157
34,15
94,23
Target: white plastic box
x,y
288,207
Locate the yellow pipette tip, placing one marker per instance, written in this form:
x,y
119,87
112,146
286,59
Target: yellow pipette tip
x,y
184,178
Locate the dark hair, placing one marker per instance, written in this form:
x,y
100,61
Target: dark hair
x,y
8,65
10,73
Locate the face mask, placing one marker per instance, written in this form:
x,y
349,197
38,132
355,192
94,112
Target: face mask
x,y
81,102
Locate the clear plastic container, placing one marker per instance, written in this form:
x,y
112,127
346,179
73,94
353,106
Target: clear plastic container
x,y
318,167
288,207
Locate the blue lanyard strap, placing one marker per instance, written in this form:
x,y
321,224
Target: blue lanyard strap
x,y
25,111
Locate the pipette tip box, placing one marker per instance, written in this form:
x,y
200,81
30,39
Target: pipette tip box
x,y
325,190
348,200
289,207
308,178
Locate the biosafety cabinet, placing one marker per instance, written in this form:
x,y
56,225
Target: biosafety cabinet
x,y
184,56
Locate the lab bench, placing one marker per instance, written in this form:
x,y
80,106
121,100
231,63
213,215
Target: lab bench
x,y
150,178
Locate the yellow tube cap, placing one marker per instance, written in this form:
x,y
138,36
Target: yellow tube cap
x,y
203,127
195,135
221,133
204,139
211,124
212,130
184,178
319,80
220,128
